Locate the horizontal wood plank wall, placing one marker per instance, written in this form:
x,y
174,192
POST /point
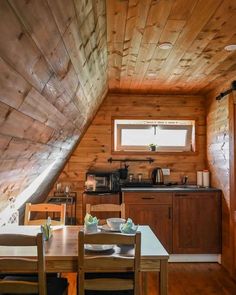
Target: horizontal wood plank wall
x,y
218,158
95,147
53,61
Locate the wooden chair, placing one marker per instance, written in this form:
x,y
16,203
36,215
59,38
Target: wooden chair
x,y
27,284
106,208
44,207
113,267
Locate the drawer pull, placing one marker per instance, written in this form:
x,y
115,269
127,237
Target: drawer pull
x,y
182,195
148,198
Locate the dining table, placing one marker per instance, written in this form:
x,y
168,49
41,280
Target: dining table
x,y
61,251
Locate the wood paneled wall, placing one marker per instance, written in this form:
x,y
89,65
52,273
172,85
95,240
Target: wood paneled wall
x,y
219,116
95,147
53,59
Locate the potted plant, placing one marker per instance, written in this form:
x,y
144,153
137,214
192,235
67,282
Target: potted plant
x,y
152,147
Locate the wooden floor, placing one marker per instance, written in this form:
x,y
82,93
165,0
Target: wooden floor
x,y
189,279
196,279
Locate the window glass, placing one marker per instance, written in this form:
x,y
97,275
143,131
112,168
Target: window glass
x,y
165,135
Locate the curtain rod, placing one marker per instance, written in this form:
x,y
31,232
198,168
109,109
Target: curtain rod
x,y
222,94
150,160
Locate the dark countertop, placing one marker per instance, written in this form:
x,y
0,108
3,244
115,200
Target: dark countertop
x,y
175,189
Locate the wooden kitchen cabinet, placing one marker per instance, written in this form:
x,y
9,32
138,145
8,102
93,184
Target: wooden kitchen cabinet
x,y
196,223
101,198
153,209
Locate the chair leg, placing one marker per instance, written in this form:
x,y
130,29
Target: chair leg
x,y
80,286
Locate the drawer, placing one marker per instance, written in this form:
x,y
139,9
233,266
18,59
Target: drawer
x,y
196,194
147,198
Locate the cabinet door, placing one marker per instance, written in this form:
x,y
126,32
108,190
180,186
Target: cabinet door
x,y
95,199
196,223
158,217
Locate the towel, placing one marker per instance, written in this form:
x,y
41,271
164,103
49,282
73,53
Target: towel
x,y
90,223
129,227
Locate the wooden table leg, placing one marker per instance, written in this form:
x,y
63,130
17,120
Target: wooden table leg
x,y
164,277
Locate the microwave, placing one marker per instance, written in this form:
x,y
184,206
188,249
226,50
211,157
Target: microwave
x,y
103,182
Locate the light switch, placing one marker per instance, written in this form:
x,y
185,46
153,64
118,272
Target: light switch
x,y
166,171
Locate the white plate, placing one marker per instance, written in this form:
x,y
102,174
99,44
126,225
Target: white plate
x,y
106,227
96,247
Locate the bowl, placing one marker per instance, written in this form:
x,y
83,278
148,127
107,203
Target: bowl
x,y
114,223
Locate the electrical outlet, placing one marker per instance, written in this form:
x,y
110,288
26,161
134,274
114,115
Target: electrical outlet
x,y
166,171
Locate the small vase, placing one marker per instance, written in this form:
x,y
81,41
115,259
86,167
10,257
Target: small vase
x,y
91,228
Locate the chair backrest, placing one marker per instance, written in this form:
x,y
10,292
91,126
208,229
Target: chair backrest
x,y
23,265
107,262
46,208
106,208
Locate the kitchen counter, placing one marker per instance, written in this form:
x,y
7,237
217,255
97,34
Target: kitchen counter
x,y
184,188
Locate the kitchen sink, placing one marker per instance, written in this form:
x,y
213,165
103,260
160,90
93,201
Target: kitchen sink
x,y
188,186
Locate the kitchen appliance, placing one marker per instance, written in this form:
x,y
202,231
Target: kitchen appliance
x,y
102,182
157,176
123,172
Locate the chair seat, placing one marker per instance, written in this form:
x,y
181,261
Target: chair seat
x,y
129,292
118,275
55,286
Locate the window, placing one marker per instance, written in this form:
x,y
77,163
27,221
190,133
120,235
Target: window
x,y
165,135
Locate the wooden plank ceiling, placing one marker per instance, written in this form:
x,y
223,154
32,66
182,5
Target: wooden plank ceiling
x,y
198,30
53,60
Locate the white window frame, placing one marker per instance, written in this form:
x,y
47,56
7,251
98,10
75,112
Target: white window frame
x,y
190,140
120,147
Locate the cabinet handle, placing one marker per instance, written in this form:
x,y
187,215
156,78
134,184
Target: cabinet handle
x,y
181,195
169,212
148,198
104,194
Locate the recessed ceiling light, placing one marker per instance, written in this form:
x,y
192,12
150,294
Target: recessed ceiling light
x,y
165,45
230,47
151,74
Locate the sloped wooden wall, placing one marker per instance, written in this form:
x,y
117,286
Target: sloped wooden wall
x,y
53,60
218,157
95,147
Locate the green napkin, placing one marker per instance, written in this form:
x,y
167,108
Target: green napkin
x,y
46,229
90,223
129,227
89,219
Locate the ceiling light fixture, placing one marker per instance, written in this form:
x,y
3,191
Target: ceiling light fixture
x,y
231,47
165,45
151,74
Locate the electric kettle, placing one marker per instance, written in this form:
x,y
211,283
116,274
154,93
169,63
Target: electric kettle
x,y
157,176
